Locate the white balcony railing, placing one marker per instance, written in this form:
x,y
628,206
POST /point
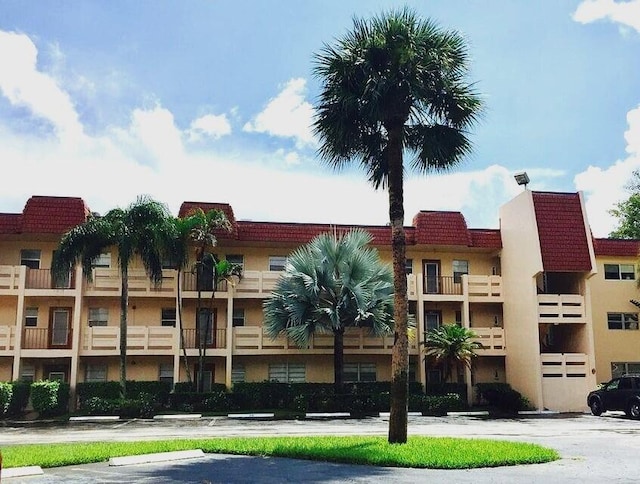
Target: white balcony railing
x,y
147,339
7,339
106,280
9,278
254,338
561,308
483,287
492,340
564,365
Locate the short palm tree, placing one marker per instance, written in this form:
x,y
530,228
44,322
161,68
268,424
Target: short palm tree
x,y
139,230
451,347
395,83
332,283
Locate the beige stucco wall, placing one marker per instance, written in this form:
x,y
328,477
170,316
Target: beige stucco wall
x,y
521,262
613,296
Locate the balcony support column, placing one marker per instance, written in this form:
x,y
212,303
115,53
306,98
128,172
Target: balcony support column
x,y
229,337
17,349
75,338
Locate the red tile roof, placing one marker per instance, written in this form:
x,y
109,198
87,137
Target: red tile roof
x,y
616,247
45,215
562,232
488,238
441,228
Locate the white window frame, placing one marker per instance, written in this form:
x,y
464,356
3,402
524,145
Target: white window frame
x,y
30,317
277,263
623,272
165,372
96,372
57,376
360,372
235,259
102,261
626,321
31,258
27,373
168,319
619,368
288,372
237,373
98,317
238,317
459,267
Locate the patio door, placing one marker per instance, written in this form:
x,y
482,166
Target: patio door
x,y
60,328
431,271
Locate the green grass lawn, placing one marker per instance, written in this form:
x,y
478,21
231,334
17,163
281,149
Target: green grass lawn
x,y
420,452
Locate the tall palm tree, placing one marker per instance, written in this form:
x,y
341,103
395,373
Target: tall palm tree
x,y
139,230
332,283
395,83
452,347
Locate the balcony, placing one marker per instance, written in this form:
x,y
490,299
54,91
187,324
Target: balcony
x,y
259,283
217,338
492,341
106,282
564,365
46,339
43,279
7,340
253,340
189,284
9,279
483,288
442,285
141,340
561,308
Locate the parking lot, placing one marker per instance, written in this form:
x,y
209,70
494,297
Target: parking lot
x,y
593,449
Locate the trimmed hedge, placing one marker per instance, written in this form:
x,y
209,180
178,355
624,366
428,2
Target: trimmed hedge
x,y
6,392
502,398
19,398
136,390
50,397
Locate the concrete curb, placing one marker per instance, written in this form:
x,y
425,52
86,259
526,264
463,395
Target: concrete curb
x,y
90,418
158,457
250,415
178,416
327,415
21,472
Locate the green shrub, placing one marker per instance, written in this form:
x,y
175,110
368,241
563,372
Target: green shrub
x,y
50,397
19,398
501,397
215,401
158,391
6,391
99,406
106,390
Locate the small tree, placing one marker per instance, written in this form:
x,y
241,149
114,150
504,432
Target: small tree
x,y
628,211
333,283
451,346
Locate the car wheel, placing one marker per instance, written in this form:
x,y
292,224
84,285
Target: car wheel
x,y
634,409
596,407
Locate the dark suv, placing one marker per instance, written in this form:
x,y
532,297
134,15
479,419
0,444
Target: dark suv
x,y
621,393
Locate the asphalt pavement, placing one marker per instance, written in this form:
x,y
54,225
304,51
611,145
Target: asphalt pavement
x,y
592,449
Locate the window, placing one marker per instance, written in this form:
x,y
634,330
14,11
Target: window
x,y
277,262
31,317
96,372
408,266
207,377
357,372
236,259
622,320
204,326
460,267
619,271
432,319
434,377
103,260
165,372
459,318
238,317
30,258
57,376
287,372
622,368
237,373
168,317
27,373
98,317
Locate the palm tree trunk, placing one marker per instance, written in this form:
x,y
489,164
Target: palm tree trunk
x,y
338,361
180,325
124,307
400,354
201,337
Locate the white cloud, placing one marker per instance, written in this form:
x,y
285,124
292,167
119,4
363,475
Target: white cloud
x,y
210,125
25,86
604,187
286,115
624,13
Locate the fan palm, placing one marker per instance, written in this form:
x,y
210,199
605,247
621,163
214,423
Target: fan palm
x,y
395,83
452,347
139,230
328,285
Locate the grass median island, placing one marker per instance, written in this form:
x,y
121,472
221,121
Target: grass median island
x,y
419,451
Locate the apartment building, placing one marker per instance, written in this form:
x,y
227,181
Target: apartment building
x,y
553,308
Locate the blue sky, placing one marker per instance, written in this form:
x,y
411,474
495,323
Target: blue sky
x,y
212,101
